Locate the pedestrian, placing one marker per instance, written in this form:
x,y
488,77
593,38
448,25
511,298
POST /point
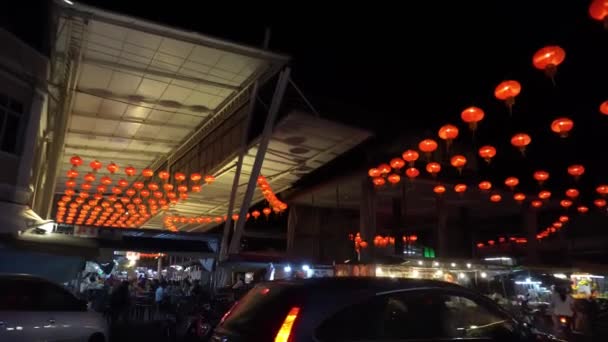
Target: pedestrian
x,y
562,305
159,298
120,302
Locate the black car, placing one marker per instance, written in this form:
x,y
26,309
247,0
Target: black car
x,y
368,309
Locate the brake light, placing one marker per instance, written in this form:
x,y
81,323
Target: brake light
x,y
285,331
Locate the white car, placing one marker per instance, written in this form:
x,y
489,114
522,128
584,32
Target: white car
x,y
34,309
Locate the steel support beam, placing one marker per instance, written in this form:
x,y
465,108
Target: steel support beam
x,y
282,83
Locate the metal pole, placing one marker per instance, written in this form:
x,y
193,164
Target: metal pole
x,y
237,173
259,158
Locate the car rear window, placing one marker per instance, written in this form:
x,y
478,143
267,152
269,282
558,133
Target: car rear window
x,y
261,311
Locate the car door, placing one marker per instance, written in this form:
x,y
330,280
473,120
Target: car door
x,y
419,315
20,318
66,314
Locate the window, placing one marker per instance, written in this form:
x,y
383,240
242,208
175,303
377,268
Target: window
x,y
428,315
11,112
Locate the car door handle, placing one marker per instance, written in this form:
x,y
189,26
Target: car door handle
x,y
51,321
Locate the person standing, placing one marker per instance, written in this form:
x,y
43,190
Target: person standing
x,y
159,296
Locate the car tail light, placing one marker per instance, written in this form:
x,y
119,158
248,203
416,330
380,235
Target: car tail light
x,y
285,331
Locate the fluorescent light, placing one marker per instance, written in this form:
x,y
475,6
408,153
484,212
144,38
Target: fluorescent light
x,y
420,262
484,274
68,2
378,270
498,259
435,263
468,265
453,264
287,269
587,276
560,276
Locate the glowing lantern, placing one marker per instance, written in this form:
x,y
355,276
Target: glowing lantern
x,y
235,217
266,211
116,190
393,178
171,195
582,209
411,156
144,193
460,188
427,146
130,171
480,245
164,175
519,197
397,163
105,180
182,188
147,173
572,193
72,173
458,162
112,168
209,179
598,9
439,189
70,192
536,204
131,192
89,177
255,214
138,185
180,177
70,183
495,198
433,168
565,203
76,161
541,176
548,58
507,91
544,195
557,225
487,153
378,181
412,173
485,185
195,177
472,116
168,187
196,188
123,183
604,108
564,219
576,171
448,133
602,190
491,242
384,169
521,140
374,172
511,182
562,126
600,202
153,186
95,165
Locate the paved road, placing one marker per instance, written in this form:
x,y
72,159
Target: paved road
x,y
138,331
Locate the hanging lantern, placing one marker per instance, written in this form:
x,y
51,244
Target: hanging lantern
x,y
378,181
507,91
519,197
480,245
495,198
472,116
565,203
76,161
195,177
116,190
572,193
448,133
536,204
433,168
520,141
95,165
600,202
98,196
439,189
168,187
602,190
397,163
196,188
485,185
164,175
385,169
598,10
235,217
130,171
266,211
511,182
544,195
410,156
153,186
541,176
374,172
582,209
427,146
72,173
412,173
112,168
171,195
70,192
180,177
138,185
105,180
131,192
182,188
458,161
562,126
564,219
576,171
144,193
557,225
460,188
70,183
393,178
209,179
255,214
89,177
147,173
548,58
123,183
487,153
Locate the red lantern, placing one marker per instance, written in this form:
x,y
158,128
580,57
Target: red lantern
x,y
564,219
458,161
123,183
485,185
582,209
602,190
195,177
138,185
480,245
541,176
598,10
130,171
600,202
411,156
196,188
72,173
433,168
131,192
144,193
95,165
112,168
565,203
548,58
491,242
448,133
266,211
412,173
209,179
472,116
507,91
562,126
116,190
182,188
413,238
460,188
378,181
544,195
511,182
557,225
89,177
384,169
576,171
572,193
153,186
427,146
393,178
521,140
536,204
105,180
168,187
439,189
487,153
70,183
495,198
604,108
397,163
147,173
374,172
255,214
164,175
180,177
519,197
76,161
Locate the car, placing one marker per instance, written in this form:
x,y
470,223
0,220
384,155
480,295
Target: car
x,y
368,309
35,309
